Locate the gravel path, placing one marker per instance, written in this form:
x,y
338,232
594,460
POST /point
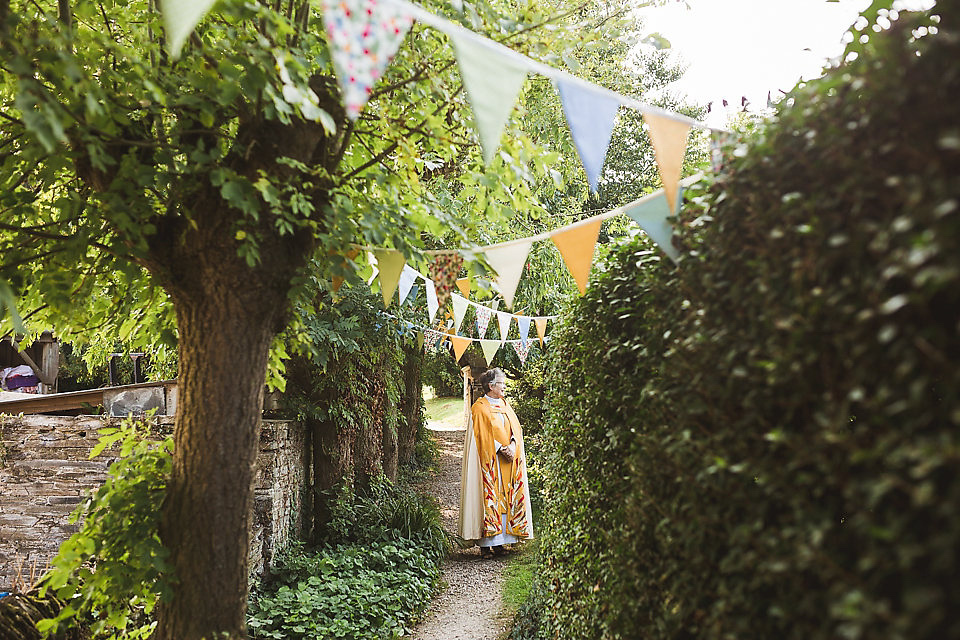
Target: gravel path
x,y
469,607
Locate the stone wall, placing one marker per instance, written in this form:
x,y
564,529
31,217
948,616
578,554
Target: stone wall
x,y
45,472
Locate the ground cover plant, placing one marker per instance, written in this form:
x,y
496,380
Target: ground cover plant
x,y
372,578
763,441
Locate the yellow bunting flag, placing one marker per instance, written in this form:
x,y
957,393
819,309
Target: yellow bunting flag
x,y
464,285
460,345
390,263
541,328
419,341
490,348
576,245
669,138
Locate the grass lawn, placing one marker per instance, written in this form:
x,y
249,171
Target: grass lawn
x,y
446,410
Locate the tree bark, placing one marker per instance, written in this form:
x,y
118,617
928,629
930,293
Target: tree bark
x,y
332,458
410,405
224,346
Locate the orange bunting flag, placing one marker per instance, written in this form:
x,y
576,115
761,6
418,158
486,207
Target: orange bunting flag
x,y
460,345
669,138
338,280
576,244
541,328
464,285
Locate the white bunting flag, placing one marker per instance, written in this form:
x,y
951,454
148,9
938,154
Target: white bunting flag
x,y
459,310
408,276
180,17
432,304
508,260
523,349
504,318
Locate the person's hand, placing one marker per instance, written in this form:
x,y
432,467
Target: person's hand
x,y
509,452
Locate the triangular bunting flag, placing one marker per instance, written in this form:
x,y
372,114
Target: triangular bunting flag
x,y
363,36
463,284
408,276
459,310
490,348
523,350
590,115
504,319
433,305
338,280
432,338
460,345
651,214
541,328
390,262
493,79
483,319
419,341
669,138
508,260
523,323
576,245
444,270
180,17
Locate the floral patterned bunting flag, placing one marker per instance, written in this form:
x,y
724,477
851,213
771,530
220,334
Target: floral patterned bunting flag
x,y
444,271
431,339
523,349
483,319
363,36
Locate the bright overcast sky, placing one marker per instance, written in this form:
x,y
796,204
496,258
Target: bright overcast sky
x,y
748,47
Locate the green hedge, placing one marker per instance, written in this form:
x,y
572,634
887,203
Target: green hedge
x,y
765,441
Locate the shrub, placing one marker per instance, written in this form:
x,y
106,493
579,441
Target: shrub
x,y
375,574
442,372
763,442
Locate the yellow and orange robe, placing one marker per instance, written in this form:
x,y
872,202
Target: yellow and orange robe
x,y
491,486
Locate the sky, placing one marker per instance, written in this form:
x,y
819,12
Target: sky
x,y
738,48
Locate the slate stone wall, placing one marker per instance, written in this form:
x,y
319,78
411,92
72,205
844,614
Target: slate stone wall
x,y
45,472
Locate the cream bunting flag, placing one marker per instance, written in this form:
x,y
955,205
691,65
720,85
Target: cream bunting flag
x,y
483,319
576,245
432,304
523,324
490,348
460,345
508,260
522,349
390,262
463,284
493,80
180,17
459,310
541,324
590,116
669,138
504,318
651,214
363,36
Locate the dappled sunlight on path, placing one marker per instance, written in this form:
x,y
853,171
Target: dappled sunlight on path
x,y
469,606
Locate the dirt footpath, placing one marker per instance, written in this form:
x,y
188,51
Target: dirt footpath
x,y
469,608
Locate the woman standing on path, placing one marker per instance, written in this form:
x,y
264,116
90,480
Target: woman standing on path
x,y
494,496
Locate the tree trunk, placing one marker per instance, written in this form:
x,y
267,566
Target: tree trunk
x,y
224,346
332,458
410,405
